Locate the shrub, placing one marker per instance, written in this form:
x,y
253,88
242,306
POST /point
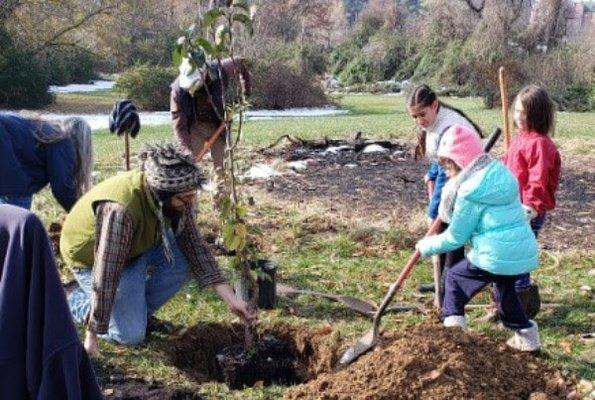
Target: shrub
x,y
342,55
576,98
23,81
314,58
277,85
70,65
361,70
148,86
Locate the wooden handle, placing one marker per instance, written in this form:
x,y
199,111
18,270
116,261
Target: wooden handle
x,y
435,227
209,143
504,100
127,149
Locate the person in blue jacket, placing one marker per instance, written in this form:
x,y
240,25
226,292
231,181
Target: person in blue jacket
x,y
34,153
482,205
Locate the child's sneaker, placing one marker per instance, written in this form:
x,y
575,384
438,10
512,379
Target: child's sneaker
x,y
458,321
526,339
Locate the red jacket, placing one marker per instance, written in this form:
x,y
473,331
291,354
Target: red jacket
x,y
534,160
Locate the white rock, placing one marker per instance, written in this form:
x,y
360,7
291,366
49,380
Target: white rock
x,y
336,149
350,165
298,166
261,171
375,148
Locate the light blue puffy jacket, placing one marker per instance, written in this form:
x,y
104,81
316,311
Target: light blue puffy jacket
x,y
488,213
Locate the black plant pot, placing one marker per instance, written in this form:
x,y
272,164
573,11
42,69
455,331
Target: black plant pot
x,y
267,286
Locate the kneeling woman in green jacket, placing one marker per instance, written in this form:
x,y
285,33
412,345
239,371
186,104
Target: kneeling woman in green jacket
x,y
482,206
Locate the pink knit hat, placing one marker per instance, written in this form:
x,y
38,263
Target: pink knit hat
x,y
461,145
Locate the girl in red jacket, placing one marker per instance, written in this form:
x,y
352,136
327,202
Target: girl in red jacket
x,y
534,159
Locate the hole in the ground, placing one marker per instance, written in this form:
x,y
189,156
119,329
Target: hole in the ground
x,y
422,361
287,355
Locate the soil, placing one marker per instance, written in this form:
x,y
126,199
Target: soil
x,y
195,351
373,184
429,361
380,184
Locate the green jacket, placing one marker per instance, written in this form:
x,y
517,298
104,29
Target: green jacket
x,y
77,243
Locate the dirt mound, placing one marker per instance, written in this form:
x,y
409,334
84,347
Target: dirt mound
x,y
194,352
433,362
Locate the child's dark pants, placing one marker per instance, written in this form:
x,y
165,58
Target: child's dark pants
x,y
464,280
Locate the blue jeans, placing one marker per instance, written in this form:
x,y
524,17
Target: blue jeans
x,y
147,283
464,280
19,201
524,280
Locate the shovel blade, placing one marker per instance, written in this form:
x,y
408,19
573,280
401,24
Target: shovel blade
x,y
357,305
362,346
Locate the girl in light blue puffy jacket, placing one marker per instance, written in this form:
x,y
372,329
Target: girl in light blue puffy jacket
x,y
482,205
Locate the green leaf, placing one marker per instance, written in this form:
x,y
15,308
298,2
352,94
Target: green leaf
x,y
229,235
225,207
220,50
177,56
211,16
246,21
204,44
241,210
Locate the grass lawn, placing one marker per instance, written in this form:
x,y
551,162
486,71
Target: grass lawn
x,y
313,256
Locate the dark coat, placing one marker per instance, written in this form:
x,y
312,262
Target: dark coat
x,y
27,166
41,356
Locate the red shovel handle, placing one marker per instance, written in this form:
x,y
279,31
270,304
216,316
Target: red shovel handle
x,y
209,143
435,227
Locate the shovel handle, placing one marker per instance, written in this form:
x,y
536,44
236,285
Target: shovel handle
x,y
435,227
209,143
504,100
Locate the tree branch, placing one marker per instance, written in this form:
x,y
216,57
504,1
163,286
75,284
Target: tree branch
x,y
72,27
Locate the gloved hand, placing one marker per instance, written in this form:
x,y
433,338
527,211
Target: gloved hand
x,y
530,212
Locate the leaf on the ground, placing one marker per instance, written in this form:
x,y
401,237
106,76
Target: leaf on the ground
x,y
566,346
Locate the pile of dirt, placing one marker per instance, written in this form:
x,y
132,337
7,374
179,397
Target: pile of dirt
x,y
195,351
429,361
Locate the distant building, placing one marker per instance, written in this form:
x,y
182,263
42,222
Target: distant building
x,y
581,18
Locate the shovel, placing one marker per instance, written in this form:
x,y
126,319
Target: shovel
x,y
369,340
364,307
209,143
